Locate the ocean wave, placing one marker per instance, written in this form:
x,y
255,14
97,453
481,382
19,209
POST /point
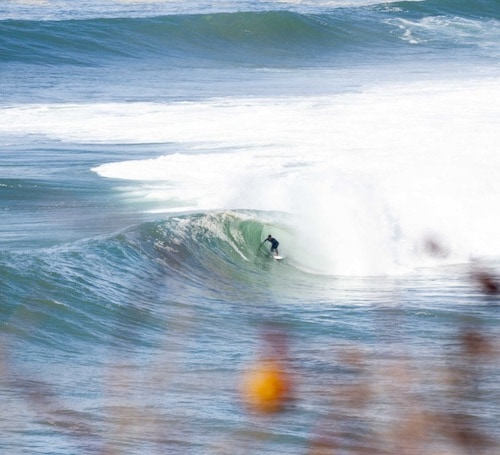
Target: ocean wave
x,y
181,38
88,289
251,37
369,175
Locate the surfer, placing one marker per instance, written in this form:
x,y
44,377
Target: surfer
x,y
274,244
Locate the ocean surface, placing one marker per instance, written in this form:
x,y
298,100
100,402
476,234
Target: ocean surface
x,y
147,148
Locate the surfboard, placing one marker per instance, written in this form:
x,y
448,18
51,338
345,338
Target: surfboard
x,y
278,258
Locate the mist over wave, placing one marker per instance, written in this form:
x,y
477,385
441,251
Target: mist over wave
x,y
424,164
366,174
364,178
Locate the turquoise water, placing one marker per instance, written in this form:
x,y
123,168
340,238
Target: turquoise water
x,y
146,151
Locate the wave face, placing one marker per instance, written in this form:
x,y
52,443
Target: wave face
x,y
255,38
81,290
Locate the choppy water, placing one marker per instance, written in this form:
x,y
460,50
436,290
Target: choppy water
x,y
146,151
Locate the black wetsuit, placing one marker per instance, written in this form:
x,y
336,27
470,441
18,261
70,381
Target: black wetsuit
x,y
274,243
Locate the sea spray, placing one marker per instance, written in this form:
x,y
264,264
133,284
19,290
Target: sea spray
x,y
363,202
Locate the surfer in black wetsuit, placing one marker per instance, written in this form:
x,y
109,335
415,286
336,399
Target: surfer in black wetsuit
x,y
274,244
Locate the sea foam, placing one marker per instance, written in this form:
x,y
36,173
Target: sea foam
x,y
367,177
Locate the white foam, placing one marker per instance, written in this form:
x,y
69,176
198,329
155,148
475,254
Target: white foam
x,y
451,29
366,177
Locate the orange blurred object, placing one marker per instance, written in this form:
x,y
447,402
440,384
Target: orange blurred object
x,y
266,387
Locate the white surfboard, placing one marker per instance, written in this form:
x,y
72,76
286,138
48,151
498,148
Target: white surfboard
x,y
278,258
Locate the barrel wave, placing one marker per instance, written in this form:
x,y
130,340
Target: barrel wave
x,y
84,290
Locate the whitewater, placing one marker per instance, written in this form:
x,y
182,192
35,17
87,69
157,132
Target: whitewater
x,y
147,148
